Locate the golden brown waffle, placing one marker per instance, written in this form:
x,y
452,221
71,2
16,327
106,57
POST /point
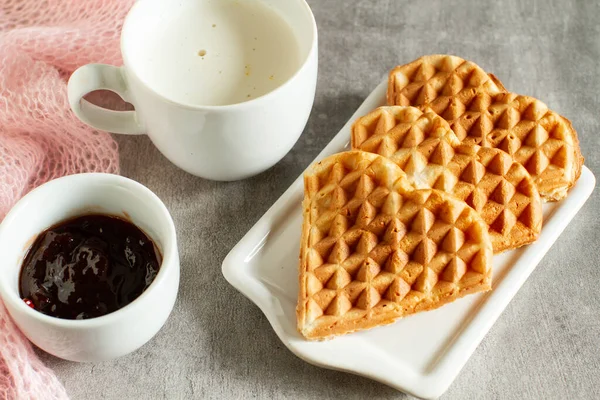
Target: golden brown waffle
x,y
480,111
373,250
489,180
441,82
540,139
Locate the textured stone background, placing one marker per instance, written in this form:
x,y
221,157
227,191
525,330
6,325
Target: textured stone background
x,y
217,344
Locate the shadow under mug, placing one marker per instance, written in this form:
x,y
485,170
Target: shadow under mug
x,y
222,143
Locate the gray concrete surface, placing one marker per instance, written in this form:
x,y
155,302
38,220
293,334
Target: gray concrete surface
x,y
218,345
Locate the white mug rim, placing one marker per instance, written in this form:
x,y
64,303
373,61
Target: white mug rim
x,y
169,253
265,97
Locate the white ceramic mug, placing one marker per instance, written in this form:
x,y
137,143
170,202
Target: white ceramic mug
x,y
112,335
222,142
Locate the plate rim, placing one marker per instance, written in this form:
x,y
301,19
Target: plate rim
x,y
435,382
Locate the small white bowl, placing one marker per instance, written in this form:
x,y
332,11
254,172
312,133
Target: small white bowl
x,y
112,335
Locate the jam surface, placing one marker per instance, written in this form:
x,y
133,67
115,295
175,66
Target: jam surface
x,y
87,267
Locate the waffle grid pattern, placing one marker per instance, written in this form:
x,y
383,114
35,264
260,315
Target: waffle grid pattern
x,y
439,81
375,250
541,140
481,111
489,180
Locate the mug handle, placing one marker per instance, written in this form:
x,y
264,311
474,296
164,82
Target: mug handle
x,y
92,77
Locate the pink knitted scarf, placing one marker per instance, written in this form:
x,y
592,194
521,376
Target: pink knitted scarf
x,y
41,43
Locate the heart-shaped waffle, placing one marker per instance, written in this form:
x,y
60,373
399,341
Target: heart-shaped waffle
x,y
480,111
440,82
374,250
430,154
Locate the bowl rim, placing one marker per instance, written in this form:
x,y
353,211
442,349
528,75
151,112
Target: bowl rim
x,y
169,249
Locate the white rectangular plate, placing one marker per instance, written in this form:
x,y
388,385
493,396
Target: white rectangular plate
x,y
264,267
